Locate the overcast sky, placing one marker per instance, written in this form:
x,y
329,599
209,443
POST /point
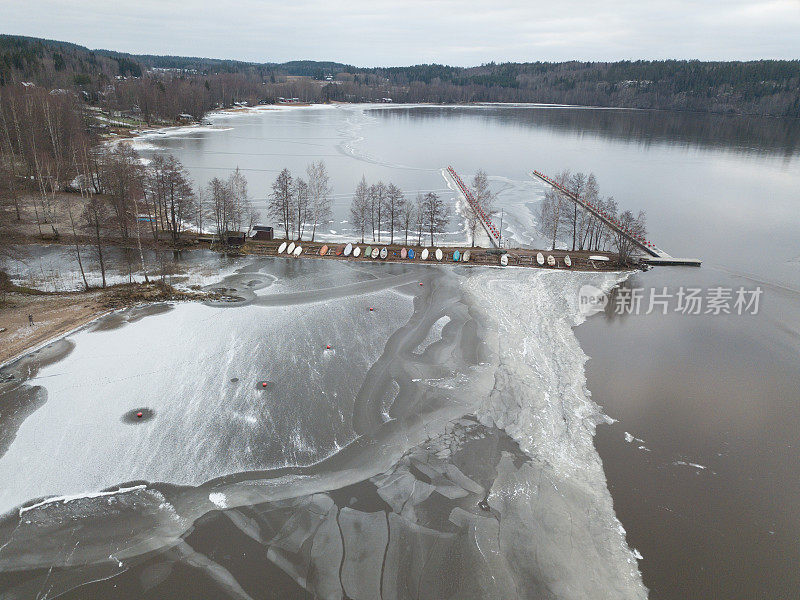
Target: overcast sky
x,y
404,32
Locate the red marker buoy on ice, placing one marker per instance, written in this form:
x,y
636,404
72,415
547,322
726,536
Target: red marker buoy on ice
x,y
263,384
420,283
328,347
139,415
370,309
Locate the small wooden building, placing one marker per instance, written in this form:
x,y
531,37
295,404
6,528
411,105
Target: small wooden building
x,y
262,232
235,238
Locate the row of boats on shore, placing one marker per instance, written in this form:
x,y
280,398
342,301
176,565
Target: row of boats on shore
x,y
376,252
383,252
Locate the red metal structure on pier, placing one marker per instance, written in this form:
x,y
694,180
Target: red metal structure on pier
x,y
486,220
608,220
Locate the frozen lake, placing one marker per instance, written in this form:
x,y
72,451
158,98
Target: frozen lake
x,y
358,470
378,434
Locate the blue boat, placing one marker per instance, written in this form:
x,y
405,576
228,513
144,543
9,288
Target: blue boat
x,y
411,254
456,256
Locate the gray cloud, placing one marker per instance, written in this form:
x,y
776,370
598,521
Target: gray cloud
x,y
393,32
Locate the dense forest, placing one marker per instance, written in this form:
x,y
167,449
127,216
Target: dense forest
x,y
165,86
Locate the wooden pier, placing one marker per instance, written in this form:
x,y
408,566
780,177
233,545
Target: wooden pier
x,y
655,255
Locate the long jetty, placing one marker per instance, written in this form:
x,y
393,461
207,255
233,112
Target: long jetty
x,y
655,255
485,220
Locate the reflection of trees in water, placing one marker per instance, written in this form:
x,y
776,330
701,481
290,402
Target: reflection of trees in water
x,y
744,134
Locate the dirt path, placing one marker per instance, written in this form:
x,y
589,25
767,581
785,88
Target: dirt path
x,y
53,315
57,314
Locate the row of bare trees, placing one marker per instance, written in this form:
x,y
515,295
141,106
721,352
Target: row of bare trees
x,y
561,220
380,205
55,176
301,206
226,203
41,138
377,206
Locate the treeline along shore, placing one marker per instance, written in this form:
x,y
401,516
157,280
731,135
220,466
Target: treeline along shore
x,y
166,87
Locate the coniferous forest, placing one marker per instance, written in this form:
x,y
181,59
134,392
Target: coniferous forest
x,y
163,87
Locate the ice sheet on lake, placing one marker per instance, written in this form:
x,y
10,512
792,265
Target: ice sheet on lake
x,y
550,530
540,399
205,425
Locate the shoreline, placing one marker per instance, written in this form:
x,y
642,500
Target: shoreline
x,y
58,314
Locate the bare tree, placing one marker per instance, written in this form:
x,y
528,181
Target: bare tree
x,y
219,197
121,177
96,216
554,211
377,196
200,213
550,214
320,195
606,235
302,206
634,225
419,221
395,201
9,162
586,221
280,204
407,215
359,207
241,207
180,202
7,208
484,197
577,184
436,214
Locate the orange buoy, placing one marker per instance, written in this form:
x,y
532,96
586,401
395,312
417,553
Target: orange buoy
x,y
139,415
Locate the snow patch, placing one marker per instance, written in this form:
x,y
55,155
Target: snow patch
x,y
689,464
73,497
219,499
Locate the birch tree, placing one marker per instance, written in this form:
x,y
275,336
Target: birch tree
x,y
280,205
219,196
320,195
301,206
407,215
586,221
635,225
419,220
121,178
577,184
436,214
359,208
550,212
96,216
395,201
377,193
